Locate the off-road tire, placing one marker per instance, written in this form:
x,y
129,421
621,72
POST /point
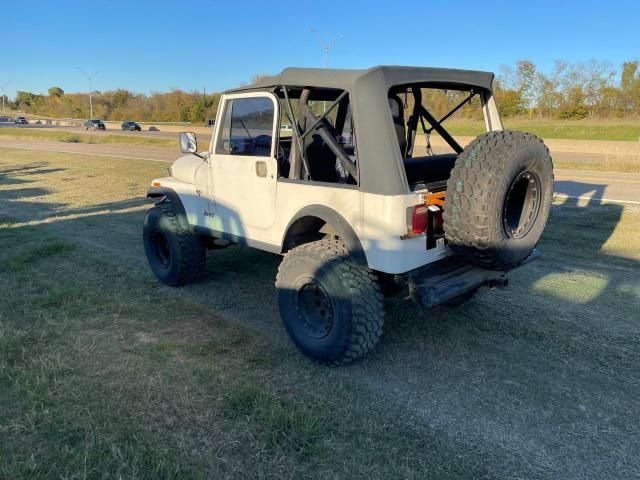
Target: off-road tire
x,y
354,297
481,220
176,256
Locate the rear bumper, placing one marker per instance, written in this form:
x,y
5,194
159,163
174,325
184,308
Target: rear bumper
x,y
454,276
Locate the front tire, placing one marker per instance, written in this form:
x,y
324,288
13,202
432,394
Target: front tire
x,y
331,307
175,255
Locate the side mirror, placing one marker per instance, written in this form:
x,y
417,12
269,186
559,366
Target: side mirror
x,y
188,142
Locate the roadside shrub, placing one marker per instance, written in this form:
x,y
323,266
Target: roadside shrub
x,y
70,138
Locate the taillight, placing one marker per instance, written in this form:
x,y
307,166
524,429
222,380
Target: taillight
x,y
420,219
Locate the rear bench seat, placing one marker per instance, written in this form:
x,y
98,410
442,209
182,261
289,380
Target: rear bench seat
x,y
429,169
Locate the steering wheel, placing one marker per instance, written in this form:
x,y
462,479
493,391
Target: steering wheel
x,y
262,142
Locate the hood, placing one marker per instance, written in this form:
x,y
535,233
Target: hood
x,y
184,168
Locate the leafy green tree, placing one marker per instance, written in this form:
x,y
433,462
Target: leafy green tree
x,y
527,86
574,106
24,98
120,97
509,102
630,86
55,92
549,98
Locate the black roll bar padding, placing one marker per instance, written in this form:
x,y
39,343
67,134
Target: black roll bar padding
x,y
341,117
412,125
305,108
440,129
322,128
297,135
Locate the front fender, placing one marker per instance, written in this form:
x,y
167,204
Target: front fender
x,y
164,194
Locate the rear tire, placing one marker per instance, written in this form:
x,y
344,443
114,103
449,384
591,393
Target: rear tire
x,y
175,255
331,307
498,199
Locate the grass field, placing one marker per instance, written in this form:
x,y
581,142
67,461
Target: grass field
x,y
104,373
603,129
98,137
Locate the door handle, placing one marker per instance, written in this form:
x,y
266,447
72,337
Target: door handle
x,y
261,168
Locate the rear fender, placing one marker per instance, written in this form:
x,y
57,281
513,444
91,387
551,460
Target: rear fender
x,y
342,228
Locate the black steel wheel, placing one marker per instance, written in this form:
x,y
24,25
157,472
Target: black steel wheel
x,y
315,308
176,256
331,307
522,204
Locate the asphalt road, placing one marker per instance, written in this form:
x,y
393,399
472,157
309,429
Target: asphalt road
x,y
110,130
580,186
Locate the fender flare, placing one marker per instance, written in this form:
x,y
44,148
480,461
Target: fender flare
x,y
337,221
168,194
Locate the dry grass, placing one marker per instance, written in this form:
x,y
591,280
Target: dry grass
x,y
606,163
105,373
96,137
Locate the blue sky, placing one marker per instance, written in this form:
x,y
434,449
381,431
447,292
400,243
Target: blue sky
x,y
157,45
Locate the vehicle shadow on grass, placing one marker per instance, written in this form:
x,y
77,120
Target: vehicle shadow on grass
x,y
526,375
529,372
544,371
538,380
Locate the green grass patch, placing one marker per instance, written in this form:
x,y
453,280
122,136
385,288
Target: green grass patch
x,y
297,427
70,138
560,129
105,373
38,252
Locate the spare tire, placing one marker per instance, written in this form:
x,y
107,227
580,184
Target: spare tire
x,y
498,199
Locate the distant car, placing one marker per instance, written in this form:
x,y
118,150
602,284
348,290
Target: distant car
x,y
131,126
93,125
21,121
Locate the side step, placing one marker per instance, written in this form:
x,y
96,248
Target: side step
x,y
454,276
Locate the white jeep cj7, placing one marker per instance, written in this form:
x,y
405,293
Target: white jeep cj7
x,y
345,197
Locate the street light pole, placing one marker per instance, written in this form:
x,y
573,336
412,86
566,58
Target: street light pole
x,y
90,78
2,92
326,47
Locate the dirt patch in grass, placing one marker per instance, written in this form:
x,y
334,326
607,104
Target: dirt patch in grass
x,y
106,373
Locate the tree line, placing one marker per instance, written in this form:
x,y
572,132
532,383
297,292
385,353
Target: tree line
x,y
173,106
592,89
578,90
